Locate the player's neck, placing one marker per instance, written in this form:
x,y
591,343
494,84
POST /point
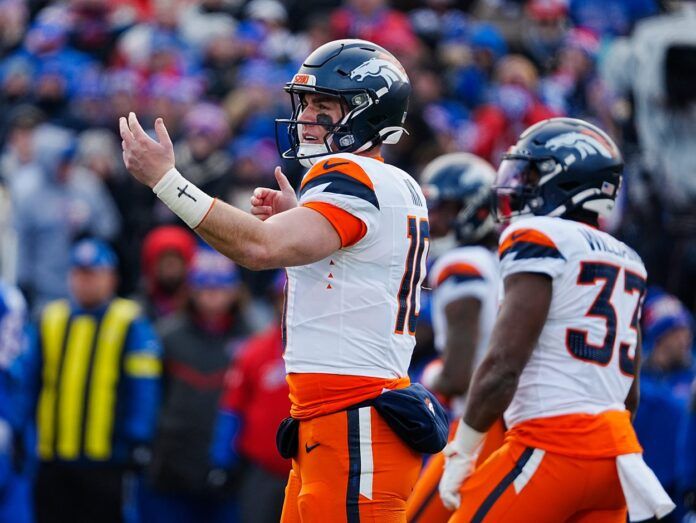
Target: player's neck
x,y
583,216
374,153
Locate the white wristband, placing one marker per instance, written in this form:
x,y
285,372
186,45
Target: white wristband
x,y
468,440
186,200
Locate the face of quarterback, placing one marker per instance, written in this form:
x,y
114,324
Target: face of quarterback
x,y
319,108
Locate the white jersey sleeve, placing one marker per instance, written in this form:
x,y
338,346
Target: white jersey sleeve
x,y
340,181
533,245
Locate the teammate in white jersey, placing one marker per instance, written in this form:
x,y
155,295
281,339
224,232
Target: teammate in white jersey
x,y
564,353
355,246
464,282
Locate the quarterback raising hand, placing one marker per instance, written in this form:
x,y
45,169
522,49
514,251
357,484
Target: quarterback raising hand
x,y
354,243
146,159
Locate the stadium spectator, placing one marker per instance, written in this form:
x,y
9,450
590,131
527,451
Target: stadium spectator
x,y
15,420
668,344
56,202
167,253
97,151
515,105
254,402
665,384
95,368
198,345
18,134
201,150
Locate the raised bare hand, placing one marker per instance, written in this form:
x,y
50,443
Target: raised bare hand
x,y
266,202
146,159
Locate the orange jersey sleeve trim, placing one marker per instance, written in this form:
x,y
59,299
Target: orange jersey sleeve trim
x,y
316,394
526,236
465,270
529,243
603,435
349,228
342,165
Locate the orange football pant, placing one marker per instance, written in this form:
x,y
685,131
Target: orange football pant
x,y
424,505
526,485
350,467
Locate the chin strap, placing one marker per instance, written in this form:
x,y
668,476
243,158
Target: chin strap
x,y
315,151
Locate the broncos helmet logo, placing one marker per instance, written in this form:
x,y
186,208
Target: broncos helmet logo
x,y
585,144
385,69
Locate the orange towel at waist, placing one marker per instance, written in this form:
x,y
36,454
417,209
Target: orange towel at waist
x,y
316,394
603,435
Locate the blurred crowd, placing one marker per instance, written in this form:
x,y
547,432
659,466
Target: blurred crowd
x,y
194,388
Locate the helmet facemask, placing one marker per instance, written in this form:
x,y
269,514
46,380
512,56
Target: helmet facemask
x,y
339,136
474,220
520,190
516,191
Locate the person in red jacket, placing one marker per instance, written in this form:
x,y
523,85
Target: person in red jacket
x,y
514,106
254,402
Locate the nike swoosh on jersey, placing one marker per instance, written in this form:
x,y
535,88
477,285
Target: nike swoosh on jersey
x,y
328,166
310,448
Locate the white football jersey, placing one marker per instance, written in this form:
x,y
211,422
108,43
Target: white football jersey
x,y
355,312
460,273
583,361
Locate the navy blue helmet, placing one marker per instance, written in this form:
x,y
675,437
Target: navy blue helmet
x,y
373,87
556,167
466,179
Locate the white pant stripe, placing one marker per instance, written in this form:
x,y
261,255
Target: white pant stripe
x,y
366,463
528,470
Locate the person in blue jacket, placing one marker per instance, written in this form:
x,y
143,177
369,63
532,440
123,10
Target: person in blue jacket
x,y
96,368
15,425
665,387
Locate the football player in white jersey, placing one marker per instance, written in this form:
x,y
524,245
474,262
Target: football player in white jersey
x,y
355,241
563,358
464,282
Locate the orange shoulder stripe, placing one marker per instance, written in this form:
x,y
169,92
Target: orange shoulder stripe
x,y
344,166
350,228
526,236
460,269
